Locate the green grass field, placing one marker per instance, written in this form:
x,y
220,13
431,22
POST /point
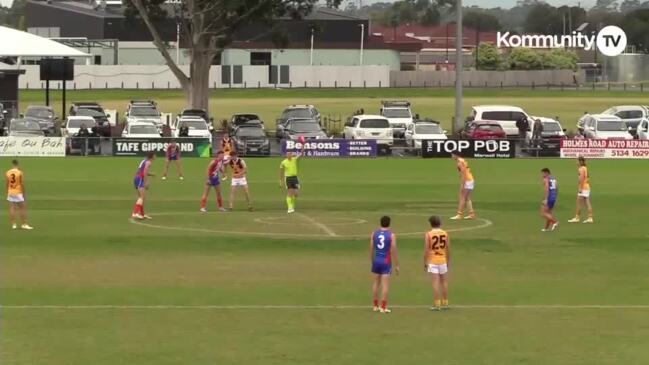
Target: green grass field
x,y
341,103
89,286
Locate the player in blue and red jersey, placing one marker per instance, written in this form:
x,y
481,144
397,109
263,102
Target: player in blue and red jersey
x,y
141,183
383,252
551,192
215,174
173,154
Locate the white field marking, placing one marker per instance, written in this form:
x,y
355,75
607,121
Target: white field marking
x,y
334,307
486,223
323,227
278,220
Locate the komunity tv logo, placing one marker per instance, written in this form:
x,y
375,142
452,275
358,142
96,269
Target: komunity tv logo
x,y
610,41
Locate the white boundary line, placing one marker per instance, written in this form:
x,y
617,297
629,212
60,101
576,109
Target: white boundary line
x,y
323,227
486,223
334,307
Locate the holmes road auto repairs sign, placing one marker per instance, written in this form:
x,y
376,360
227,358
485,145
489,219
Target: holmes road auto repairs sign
x,y
605,148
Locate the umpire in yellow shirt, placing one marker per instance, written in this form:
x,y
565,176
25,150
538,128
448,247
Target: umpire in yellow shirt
x,y
288,177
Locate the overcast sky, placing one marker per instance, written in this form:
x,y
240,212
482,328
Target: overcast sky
x,y
482,3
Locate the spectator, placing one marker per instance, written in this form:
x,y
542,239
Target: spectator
x,y
184,131
523,126
537,133
83,135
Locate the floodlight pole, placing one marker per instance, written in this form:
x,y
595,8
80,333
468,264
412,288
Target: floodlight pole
x,y
362,25
178,42
457,121
311,53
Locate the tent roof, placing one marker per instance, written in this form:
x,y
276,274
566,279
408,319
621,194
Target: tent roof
x,y
16,43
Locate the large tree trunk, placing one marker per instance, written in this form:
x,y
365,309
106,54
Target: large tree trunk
x,y
198,90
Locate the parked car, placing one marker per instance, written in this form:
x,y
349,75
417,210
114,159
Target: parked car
x,y
251,140
294,128
632,115
421,131
399,115
3,118
503,115
202,113
74,123
139,110
25,127
643,129
484,129
45,117
198,127
245,119
373,127
604,126
299,112
551,135
97,112
141,130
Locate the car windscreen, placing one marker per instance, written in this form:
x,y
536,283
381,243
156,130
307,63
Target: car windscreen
x,y
428,129
611,126
193,113
251,132
76,123
551,127
297,113
304,126
39,113
87,112
143,111
25,125
374,123
243,118
502,115
489,127
195,124
143,129
397,113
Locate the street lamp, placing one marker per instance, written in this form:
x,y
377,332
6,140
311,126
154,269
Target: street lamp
x,y
311,54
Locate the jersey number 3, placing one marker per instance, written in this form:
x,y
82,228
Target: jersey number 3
x,y
381,243
12,181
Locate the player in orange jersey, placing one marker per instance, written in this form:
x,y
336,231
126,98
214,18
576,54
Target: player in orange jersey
x,y
16,196
437,259
467,183
583,193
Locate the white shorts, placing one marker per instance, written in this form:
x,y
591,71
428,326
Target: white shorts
x,y
469,185
19,198
240,181
437,269
584,193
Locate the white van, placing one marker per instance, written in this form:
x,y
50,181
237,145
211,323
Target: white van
x,y
504,115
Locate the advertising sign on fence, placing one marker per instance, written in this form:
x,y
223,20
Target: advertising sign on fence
x,y
189,147
605,148
333,147
492,148
32,146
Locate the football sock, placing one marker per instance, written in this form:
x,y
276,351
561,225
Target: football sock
x,y
547,223
219,201
445,302
203,202
384,304
438,303
376,302
289,202
293,201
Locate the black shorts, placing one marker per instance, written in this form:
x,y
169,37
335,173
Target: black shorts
x,y
292,182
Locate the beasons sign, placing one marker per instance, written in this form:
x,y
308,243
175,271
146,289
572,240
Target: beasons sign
x,y
610,41
332,148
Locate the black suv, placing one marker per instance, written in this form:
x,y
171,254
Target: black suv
x,y
94,110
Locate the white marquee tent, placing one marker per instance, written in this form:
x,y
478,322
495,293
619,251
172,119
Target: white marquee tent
x,y
16,43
